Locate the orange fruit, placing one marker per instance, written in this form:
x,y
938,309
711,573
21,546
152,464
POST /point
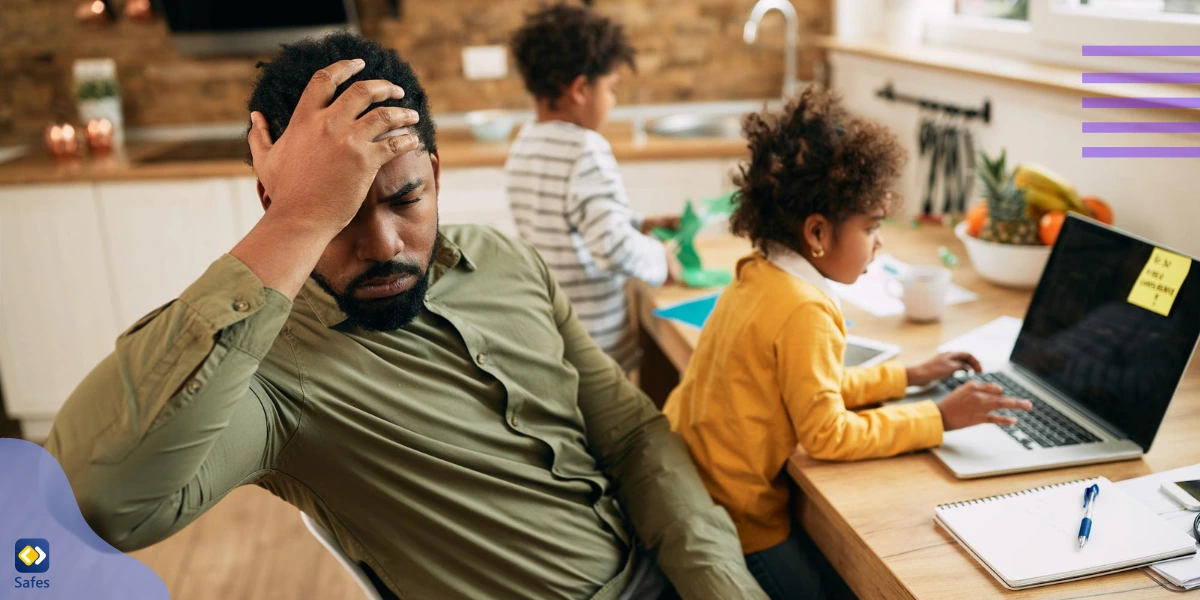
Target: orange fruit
x,y
1101,211
1050,225
975,218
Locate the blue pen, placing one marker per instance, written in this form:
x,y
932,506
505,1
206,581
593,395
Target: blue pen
x,y
1089,503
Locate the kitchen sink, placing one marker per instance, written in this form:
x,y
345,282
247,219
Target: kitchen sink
x,y
696,126
216,149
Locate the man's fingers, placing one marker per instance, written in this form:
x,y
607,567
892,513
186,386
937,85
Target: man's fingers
x,y
321,86
362,94
394,146
259,137
384,119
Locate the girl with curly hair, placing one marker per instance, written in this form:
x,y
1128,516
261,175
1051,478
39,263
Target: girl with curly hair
x,y
767,375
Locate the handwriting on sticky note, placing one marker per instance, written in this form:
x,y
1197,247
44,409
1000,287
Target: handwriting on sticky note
x,y
1159,282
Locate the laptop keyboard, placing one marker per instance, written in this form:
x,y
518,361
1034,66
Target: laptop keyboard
x,y
1043,426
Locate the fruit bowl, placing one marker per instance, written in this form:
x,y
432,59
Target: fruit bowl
x,y
1006,265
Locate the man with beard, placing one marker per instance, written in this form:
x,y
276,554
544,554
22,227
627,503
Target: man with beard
x,y
426,394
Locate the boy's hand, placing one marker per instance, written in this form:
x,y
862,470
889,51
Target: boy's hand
x,y
674,269
973,402
649,223
941,367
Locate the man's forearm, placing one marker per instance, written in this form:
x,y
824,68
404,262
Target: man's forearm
x,y
135,434
693,540
282,251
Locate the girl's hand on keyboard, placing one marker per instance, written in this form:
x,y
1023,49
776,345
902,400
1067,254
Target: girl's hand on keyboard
x,y
972,404
942,366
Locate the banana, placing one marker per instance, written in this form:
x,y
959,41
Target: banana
x,y
1045,201
1035,177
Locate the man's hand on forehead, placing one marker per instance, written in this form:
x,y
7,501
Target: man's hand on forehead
x,y
319,170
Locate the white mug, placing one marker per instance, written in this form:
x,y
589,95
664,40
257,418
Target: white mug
x,y
923,290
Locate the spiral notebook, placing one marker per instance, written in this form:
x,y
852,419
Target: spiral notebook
x,y
1030,538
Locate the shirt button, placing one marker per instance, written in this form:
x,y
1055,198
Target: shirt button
x,y
513,420
481,358
193,386
241,306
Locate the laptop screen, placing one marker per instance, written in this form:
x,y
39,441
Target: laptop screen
x,y
1115,354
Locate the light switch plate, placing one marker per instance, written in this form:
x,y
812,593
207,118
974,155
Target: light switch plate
x,y
485,62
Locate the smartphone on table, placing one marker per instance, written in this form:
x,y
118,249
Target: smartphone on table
x,y
1186,493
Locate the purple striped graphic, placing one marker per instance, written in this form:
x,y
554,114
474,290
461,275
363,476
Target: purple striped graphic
x,y
1141,102
1141,77
1141,152
1141,127
1141,50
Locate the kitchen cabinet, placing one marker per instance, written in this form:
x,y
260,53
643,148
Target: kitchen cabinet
x,y
57,318
161,236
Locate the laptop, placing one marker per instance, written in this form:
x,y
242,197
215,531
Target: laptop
x,y
1099,365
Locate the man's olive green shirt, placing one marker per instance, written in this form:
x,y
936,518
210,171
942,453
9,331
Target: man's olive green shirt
x,y
479,452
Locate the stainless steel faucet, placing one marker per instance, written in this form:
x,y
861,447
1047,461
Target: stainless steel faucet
x,y
750,33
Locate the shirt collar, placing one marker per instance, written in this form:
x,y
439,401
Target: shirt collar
x,y
794,264
326,309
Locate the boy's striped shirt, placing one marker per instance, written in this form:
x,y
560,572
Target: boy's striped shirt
x,y
568,200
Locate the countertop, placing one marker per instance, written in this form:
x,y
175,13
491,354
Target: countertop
x,y
457,149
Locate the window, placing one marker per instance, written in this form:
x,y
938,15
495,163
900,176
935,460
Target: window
x,y
1017,10
1055,30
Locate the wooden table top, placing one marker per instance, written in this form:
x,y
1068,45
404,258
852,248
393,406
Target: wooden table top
x,y
874,519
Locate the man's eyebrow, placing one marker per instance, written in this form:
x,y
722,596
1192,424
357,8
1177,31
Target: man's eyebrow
x,y
878,217
406,189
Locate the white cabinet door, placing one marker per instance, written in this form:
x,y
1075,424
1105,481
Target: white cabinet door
x,y
475,196
161,236
56,306
661,187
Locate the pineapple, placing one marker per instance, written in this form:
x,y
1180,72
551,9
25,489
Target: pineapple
x,y
1008,221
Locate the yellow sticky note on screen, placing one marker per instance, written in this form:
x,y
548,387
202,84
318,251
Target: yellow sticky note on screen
x,y
1159,283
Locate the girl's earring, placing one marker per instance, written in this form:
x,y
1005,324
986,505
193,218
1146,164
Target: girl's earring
x,y
818,253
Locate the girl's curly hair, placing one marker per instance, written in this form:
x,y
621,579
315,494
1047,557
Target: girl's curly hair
x,y
812,157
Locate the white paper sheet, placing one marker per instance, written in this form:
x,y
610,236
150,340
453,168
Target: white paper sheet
x,y
991,343
870,292
1183,572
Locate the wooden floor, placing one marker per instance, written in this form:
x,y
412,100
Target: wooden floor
x,y
252,545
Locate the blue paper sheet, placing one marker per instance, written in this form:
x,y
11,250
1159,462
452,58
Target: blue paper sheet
x,y
692,312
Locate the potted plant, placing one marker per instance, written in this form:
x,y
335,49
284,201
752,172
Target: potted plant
x,y
97,95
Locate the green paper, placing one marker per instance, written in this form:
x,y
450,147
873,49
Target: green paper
x,y
684,240
706,278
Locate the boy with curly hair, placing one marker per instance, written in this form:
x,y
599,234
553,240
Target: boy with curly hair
x,y
564,186
767,374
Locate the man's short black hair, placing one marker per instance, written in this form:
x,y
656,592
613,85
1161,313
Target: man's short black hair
x,y
282,81
561,42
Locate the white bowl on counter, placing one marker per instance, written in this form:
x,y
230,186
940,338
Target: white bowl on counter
x,y
1007,265
490,125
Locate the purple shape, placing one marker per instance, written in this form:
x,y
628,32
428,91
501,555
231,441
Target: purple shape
x,y
1141,77
1142,127
37,502
1141,50
1141,102
1141,152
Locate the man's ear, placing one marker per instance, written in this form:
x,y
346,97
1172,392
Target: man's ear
x,y
578,91
436,161
263,197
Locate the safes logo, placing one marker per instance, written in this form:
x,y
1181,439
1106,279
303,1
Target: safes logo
x,y
33,555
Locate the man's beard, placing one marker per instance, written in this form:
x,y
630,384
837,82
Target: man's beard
x,y
384,314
